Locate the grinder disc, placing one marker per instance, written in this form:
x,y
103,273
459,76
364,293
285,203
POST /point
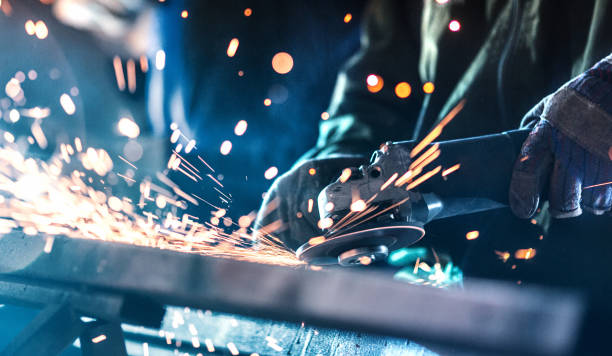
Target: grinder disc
x,y
393,236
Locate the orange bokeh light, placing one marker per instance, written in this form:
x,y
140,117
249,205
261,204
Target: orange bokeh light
x,y
248,12
428,87
374,83
472,235
403,90
184,14
267,102
348,17
282,63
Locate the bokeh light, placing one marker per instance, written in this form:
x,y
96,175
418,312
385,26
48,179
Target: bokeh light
x,y
324,115
184,14
67,104
358,205
472,235
248,12
240,128
282,63
403,90
128,128
226,147
454,26
270,173
30,27
428,88
348,17
41,30
267,102
374,83
160,59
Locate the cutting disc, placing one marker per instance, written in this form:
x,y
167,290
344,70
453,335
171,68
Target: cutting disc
x,y
367,238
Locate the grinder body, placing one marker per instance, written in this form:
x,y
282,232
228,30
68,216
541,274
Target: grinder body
x,y
395,216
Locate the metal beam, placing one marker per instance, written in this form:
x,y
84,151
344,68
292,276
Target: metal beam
x,y
51,331
491,316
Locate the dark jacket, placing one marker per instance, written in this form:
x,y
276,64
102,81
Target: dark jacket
x,y
505,58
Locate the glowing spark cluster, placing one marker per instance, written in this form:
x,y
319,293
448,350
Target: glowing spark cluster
x,y
56,198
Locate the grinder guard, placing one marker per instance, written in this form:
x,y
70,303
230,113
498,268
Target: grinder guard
x,y
480,184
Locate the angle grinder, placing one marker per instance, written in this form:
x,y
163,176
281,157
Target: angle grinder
x,y
391,216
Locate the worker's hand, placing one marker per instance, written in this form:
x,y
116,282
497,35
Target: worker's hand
x,y
571,173
289,210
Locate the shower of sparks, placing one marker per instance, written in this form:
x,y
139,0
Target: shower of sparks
x,y
54,198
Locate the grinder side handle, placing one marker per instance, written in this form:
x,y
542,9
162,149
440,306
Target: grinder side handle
x,y
483,179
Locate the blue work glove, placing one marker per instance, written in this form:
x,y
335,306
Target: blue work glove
x,y
575,178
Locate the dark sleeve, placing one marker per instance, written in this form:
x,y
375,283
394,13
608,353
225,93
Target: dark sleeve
x,y
359,119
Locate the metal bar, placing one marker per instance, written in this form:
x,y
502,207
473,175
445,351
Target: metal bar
x,y
51,331
487,315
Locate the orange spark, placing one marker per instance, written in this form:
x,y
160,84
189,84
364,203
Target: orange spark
x,y
232,47
423,178
348,17
346,174
118,66
437,130
389,181
451,170
525,254
316,240
472,235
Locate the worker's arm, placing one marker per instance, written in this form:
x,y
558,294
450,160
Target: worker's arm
x,y
569,150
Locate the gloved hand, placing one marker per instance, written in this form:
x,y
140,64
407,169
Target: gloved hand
x,y
287,200
549,159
